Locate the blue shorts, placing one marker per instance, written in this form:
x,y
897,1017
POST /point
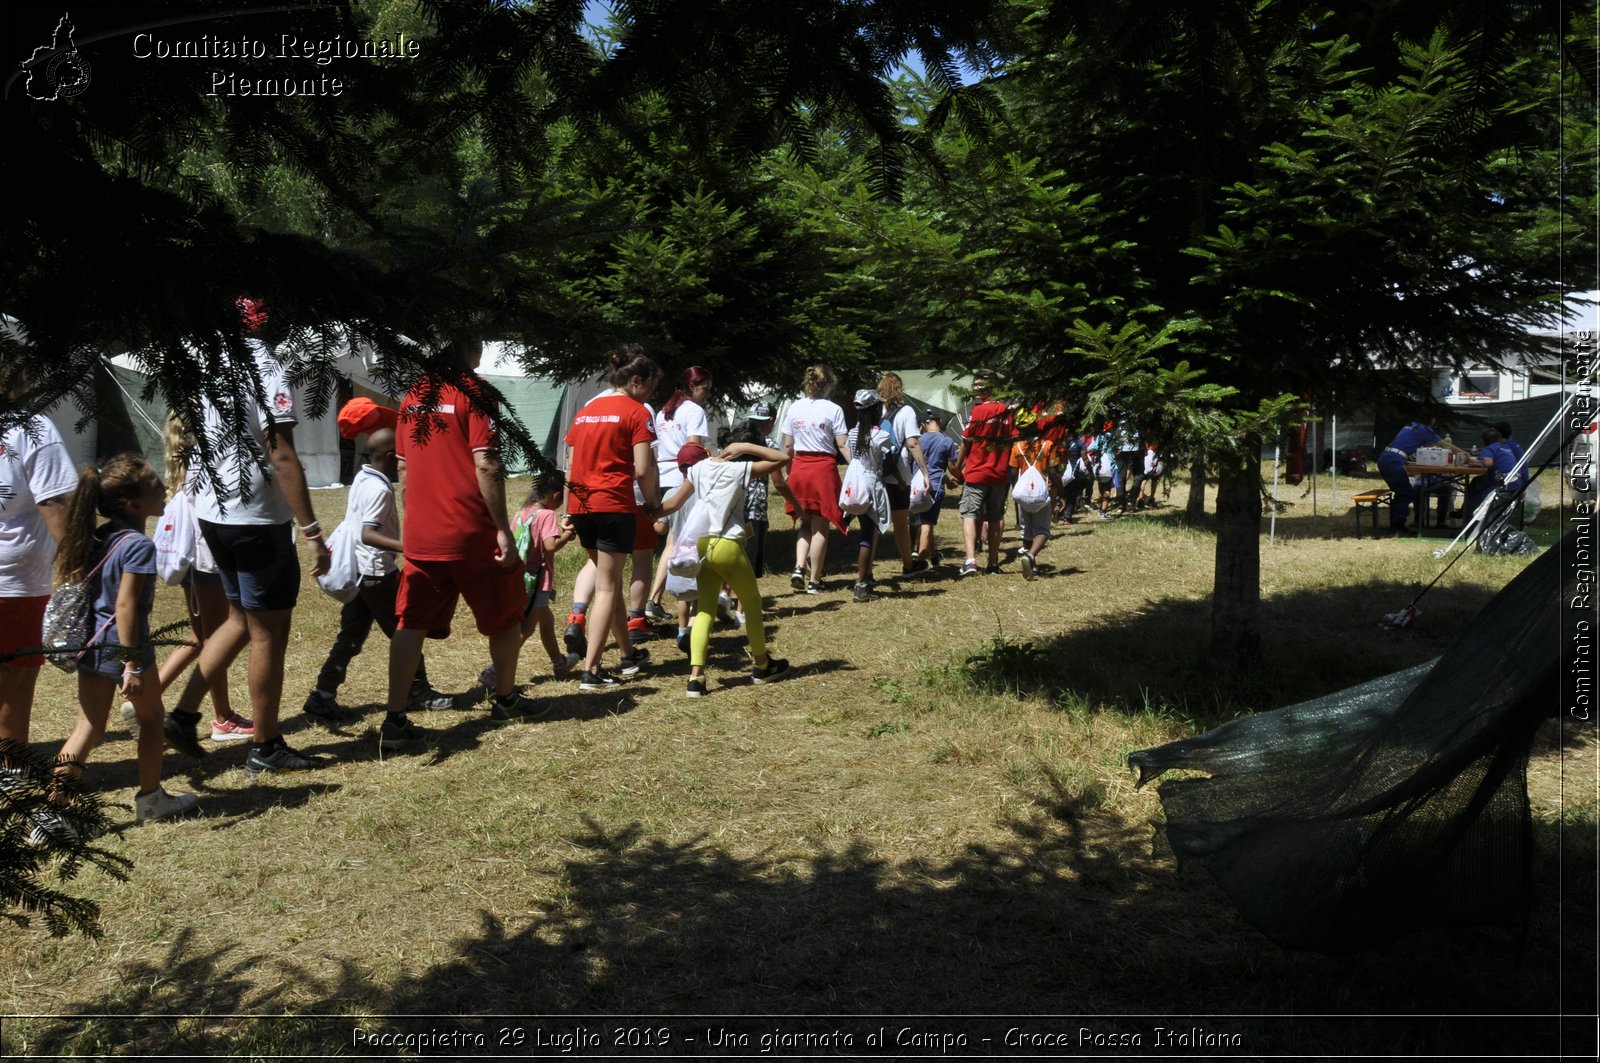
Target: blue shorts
x,y
258,564
102,659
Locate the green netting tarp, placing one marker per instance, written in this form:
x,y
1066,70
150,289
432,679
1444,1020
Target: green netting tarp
x,y
1340,823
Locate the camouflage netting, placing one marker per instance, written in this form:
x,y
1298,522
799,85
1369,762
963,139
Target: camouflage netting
x,y
1340,823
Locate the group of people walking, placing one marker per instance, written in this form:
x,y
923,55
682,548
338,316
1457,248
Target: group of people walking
x,y
645,490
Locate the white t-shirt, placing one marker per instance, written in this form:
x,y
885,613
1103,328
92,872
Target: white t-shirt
x,y
813,424
372,505
32,470
638,492
689,419
904,421
872,457
267,504
719,492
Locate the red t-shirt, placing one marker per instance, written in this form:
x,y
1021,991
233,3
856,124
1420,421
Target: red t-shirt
x,y
990,431
600,479
446,517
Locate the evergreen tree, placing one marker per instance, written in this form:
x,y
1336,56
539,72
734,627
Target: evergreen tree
x,y
1305,197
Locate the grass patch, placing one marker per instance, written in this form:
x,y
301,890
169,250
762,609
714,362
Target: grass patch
x,y
933,811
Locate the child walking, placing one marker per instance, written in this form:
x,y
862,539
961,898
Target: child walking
x,y
208,608
118,563
869,442
720,487
539,532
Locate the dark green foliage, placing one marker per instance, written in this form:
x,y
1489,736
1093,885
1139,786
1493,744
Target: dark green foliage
x,y
29,859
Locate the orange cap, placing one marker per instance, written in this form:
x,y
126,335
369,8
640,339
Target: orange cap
x,y
361,415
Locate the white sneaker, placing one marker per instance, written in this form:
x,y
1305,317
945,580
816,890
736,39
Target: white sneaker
x,y
724,609
158,804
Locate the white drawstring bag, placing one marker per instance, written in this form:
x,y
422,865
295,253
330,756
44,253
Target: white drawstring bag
x,y
685,559
856,491
175,540
921,493
1032,490
342,581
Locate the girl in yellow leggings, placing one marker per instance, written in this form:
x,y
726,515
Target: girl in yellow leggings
x,y
718,487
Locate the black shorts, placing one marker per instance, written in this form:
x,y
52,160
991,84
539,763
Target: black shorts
x,y
258,564
610,532
899,496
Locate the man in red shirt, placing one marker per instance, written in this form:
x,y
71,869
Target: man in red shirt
x,y
457,539
985,462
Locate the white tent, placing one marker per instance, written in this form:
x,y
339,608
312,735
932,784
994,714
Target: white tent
x,y
126,420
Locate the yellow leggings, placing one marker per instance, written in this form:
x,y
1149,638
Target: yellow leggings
x,y
724,561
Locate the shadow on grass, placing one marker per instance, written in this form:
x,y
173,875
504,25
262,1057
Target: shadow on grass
x,y
1153,657
1070,915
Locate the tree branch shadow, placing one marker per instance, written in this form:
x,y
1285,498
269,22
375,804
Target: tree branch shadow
x,y
1075,912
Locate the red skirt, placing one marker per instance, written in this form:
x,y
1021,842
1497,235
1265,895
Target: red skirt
x,y
814,479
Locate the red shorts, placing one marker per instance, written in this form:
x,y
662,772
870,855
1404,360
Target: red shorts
x,y
644,531
429,591
21,628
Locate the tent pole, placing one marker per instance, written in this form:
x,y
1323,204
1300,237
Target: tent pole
x,y
1272,527
1333,445
1316,453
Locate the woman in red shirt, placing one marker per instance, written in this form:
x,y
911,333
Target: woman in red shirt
x,y
611,441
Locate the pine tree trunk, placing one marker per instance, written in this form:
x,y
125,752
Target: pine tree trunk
x,y
1197,491
1236,592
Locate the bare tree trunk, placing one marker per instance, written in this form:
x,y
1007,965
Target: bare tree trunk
x,y
1236,591
1197,490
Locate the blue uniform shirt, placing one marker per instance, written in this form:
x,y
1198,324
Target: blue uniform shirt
x,y
1505,455
1414,435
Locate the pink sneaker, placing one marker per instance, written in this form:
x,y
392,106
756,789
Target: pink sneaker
x,y
233,729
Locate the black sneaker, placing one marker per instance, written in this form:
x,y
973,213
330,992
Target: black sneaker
x,y
426,699
519,708
321,707
863,593
634,663
597,681
797,579
917,567
776,666
281,759
992,569
683,641
399,729
574,639
695,689
183,735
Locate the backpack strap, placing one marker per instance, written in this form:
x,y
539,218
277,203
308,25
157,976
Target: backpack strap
x,y
93,572
110,546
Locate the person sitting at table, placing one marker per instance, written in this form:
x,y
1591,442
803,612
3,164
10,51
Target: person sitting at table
x,y
1392,466
1514,450
1498,456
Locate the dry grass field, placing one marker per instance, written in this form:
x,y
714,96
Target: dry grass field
x,y
932,815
